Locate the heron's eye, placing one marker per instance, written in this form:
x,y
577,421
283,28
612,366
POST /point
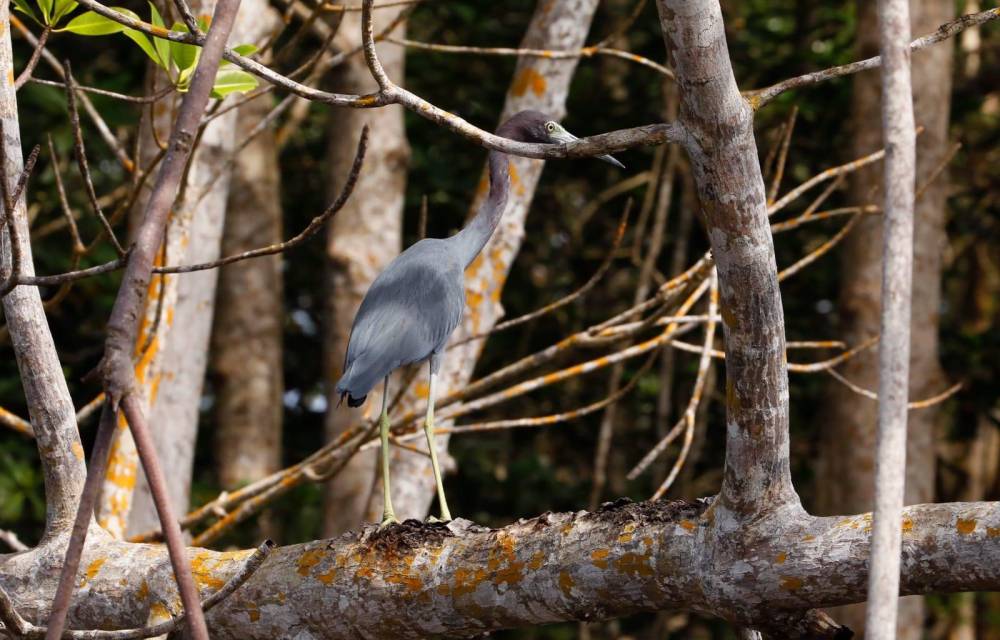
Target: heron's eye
x,y
550,127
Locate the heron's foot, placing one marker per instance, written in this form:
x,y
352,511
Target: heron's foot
x,y
388,520
434,520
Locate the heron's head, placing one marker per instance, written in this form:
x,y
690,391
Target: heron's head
x,y
535,126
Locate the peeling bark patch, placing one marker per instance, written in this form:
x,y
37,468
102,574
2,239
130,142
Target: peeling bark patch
x,y
408,535
965,526
626,513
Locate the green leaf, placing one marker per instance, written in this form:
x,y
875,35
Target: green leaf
x,y
45,6
243,50
140,39
23,7
162,46
61,8
185,56
233,81
92,24
246,49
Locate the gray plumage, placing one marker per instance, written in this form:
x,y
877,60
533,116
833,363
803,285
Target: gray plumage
x,y
415,304
407,315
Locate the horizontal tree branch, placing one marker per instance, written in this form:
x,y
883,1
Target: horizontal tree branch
x,y
759,97
418,580
613,142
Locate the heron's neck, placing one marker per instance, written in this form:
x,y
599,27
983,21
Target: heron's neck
x,y
471,240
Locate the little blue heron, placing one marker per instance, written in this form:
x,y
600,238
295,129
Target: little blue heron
x,y
414,305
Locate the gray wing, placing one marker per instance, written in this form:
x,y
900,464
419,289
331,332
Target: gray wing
x,y
409,313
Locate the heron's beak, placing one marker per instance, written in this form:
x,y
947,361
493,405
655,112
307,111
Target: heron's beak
x,y
561,135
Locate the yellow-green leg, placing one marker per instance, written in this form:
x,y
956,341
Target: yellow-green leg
x,y
388,515
429,432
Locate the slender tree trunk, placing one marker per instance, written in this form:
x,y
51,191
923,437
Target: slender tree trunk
x,y
50,406
172,369
847,449
246,351
362,239
542,84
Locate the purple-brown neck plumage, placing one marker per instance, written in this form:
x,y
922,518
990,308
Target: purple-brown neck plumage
x,y
471,240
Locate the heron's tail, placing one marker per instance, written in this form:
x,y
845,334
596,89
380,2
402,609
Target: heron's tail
x,y
351,400
348,387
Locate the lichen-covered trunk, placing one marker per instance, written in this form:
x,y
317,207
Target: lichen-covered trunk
x,y
50,406
178,321
362,239
462,580
848,441
246,349
538,83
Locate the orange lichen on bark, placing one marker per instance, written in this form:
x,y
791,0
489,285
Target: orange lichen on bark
x,y
92,570
993,532
626,535
526,79
566,583
791,583
599,558
308,560
202,565
965,526
634,564
781,557
688,525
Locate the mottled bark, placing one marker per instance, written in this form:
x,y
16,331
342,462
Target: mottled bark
x,y
465,580
538,83
362,239
246,349
723,156
847,445
50,406
900,141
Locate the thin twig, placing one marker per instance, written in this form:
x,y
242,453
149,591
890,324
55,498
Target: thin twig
x,y
583,52
913,404
11,540
162,93
687,420
786,140
689,415
759,97
10,205
16,422
36,55
81,159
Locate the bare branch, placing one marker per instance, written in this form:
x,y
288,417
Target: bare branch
x,y
584,52
759,97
